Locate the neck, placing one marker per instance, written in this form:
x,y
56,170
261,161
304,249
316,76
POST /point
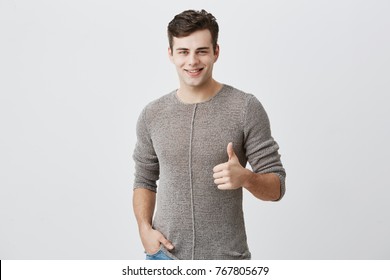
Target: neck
x,y
198,94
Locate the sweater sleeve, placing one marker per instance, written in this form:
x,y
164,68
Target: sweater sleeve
x,y
146,162
261,149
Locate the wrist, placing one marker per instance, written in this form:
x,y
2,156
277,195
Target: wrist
x,y
247,178
144,227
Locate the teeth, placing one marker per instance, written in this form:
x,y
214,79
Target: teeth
x,y
193,71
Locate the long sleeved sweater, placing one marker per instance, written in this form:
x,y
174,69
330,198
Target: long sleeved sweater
x,y
178,145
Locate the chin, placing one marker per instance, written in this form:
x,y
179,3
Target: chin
x,y
193,83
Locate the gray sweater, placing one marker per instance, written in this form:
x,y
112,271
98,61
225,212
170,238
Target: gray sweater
x,y
178,145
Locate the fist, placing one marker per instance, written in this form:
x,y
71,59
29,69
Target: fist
x,y
230,175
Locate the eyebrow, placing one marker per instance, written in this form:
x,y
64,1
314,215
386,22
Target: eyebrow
x,y
198,49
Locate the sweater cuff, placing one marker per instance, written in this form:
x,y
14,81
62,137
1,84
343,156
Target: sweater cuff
x,y
153,189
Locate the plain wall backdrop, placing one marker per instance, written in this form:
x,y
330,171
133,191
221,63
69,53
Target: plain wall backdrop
x,y
74,76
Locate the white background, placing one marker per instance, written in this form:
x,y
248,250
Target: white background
x,y
74,76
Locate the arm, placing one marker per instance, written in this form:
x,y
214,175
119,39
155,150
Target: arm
x,y
268,180
144,195
144,202
262,186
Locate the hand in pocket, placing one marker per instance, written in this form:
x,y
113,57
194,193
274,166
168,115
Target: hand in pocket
x,y
152,240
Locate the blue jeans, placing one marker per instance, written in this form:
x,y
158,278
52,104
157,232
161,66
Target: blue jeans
x,y
160,255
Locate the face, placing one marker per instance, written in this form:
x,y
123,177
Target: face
x,y
194,58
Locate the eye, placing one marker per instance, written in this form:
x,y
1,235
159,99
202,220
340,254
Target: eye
x,y
183,52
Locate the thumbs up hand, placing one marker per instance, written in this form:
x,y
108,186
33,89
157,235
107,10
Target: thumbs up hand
x,y
230,175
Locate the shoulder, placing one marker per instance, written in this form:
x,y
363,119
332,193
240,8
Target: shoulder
x,y
237,97
156,106
235,93
249,106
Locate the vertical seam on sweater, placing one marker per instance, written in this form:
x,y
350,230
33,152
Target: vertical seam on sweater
x,y
191,185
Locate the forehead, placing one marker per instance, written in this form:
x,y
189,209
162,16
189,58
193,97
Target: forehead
x,y
200,38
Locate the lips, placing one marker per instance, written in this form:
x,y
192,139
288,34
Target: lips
x,y
193,72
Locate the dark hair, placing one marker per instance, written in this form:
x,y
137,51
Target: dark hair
x,y
190,21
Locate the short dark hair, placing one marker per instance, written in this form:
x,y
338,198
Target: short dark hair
x,y
189,21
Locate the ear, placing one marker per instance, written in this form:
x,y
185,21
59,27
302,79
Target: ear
x,y
170,54
216,53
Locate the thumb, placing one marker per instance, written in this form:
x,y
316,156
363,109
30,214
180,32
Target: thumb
x,y
230,151
166,243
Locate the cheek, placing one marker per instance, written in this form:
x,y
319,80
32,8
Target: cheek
x,y
179,63
208,61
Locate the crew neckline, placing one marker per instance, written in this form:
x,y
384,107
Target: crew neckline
x,y
175,97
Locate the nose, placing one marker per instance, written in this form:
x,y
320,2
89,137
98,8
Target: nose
x,y
193,59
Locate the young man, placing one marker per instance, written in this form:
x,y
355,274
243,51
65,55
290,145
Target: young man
x,y
196,141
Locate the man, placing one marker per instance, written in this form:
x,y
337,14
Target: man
x,y
196,141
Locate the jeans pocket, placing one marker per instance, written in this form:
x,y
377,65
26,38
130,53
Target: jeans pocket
x,y
159,255
154,254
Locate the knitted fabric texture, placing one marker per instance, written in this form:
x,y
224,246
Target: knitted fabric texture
x,y
177,147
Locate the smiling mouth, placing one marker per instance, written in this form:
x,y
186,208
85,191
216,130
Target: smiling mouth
x,y
194,72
